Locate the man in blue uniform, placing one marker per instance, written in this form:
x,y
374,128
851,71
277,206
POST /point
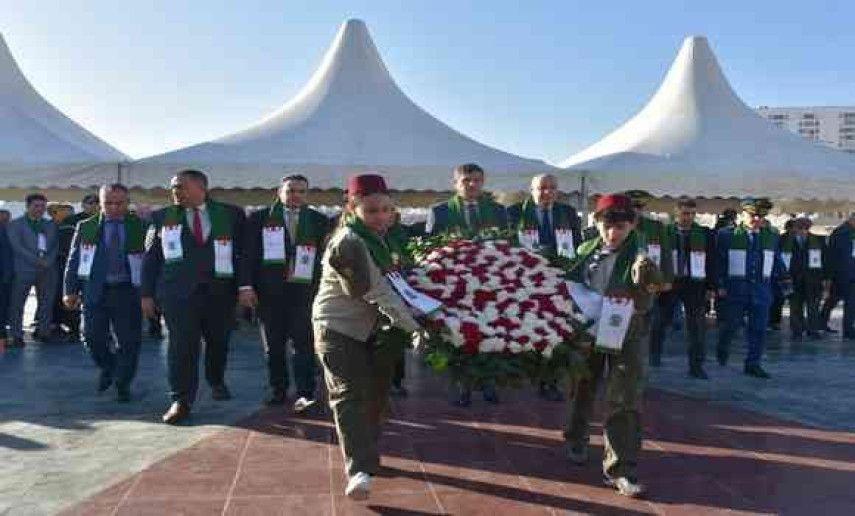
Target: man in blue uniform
x,y
749,263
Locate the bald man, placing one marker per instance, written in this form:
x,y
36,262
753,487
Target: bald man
x,y
549,227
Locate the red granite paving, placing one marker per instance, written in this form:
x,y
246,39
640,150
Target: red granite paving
x,y
698,458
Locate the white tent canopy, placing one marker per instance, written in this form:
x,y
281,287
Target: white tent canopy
x,y
696,137
39,146
349,117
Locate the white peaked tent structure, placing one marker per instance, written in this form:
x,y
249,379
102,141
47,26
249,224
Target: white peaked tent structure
x,y
349,117
39,146
696,137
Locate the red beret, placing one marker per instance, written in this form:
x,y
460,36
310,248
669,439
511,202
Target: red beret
x,y
366,184
618,202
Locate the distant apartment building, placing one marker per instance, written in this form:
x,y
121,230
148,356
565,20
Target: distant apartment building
x,y
832,126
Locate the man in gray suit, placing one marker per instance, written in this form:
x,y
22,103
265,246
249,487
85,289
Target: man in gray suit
x,y
34,253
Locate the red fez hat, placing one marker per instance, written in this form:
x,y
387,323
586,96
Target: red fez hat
x,y
617,202
366,184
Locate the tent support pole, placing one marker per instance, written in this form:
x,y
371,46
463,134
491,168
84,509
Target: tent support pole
x,y
584,200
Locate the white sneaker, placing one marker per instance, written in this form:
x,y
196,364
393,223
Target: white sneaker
x,y
303,404
626,486
358,487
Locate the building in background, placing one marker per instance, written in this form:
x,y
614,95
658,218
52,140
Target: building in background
x,y
832,126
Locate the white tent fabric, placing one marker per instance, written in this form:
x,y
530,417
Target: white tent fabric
x,y
696,137
349,117
39,146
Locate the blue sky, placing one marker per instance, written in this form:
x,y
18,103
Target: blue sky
x,y
537,78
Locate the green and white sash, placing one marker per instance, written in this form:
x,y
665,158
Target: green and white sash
x,y
529,236
174,222
737,257
90,234
814,248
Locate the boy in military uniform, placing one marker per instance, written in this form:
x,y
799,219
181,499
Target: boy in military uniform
x,y
615,265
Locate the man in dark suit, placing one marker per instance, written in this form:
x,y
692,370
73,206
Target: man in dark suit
x,y
693,259
5,281
841,271
105,264
284,244
193,252
552,228
468,212
803,255
34,254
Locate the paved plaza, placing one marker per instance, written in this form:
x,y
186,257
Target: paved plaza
x,y
786,445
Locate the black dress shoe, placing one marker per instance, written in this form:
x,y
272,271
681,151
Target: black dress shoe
x,y
849,336
462,397
220,392
814,335
123,394
177,413
551,392
722,359
490,394
104,381
399,391
698,373
756,371
275,397
829,329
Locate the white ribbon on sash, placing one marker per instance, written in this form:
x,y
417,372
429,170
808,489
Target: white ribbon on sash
x,y
223,263
654,251
564,243
768,263
736,262
614,323
87,256
304,264
170,240
815,258
529,239
273,243
698,264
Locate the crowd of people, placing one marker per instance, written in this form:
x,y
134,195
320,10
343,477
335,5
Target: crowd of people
x,y
319,282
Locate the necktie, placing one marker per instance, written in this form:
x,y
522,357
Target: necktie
x,y
545,235
472,215
684,254
293,222
198,234
114,250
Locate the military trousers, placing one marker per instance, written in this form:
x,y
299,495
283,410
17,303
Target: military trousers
x,y
625,374
357,375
